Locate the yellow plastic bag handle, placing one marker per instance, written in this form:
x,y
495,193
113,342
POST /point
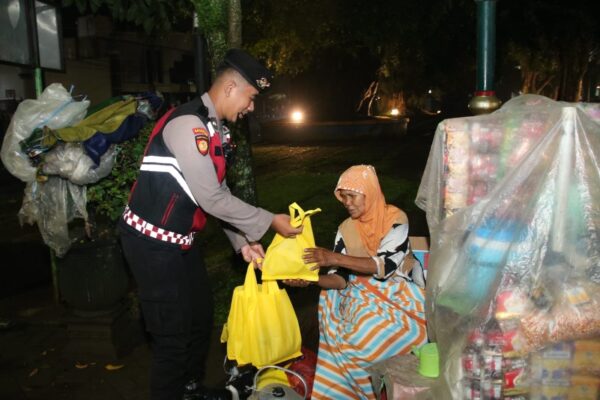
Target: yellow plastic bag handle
x,y
297,214
250,283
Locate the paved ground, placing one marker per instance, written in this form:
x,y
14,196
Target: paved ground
x,y
34,364
38,360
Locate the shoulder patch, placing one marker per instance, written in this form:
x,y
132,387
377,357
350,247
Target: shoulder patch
x,y
202,144
200,131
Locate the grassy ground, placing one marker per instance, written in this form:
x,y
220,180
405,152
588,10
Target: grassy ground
x,y
307,175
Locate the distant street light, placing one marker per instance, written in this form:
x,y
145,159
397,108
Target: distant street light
x,y
297,116
395,112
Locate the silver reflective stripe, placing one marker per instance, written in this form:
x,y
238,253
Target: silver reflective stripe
x,y
211,129
174,172
162,160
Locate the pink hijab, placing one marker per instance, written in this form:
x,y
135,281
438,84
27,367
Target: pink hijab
x,y
379,217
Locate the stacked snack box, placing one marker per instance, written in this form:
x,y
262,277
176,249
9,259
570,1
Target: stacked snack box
x,y
456,160
479,152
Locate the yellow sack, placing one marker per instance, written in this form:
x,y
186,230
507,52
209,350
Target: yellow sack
x,y
283,259
262,327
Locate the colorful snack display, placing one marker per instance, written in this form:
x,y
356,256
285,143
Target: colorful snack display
x,y
574,316
586,357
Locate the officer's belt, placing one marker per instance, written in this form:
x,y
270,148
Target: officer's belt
x,y
146,228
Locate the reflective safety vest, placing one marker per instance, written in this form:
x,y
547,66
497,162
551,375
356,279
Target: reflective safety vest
x,y
161,204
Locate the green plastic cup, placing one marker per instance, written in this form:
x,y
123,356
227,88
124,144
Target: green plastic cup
x,y
429,360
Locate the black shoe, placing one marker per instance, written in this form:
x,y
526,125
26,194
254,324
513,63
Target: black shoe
x,y
195,391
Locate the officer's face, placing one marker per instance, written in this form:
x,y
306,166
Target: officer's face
x,y
241,100
354,203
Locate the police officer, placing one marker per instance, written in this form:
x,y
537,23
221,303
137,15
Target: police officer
x,y
181,180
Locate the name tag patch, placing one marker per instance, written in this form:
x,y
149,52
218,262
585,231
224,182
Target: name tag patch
x,y
200,131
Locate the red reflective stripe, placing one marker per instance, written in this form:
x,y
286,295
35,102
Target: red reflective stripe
x,y
218,161
199,220
158,127
172,201
131,191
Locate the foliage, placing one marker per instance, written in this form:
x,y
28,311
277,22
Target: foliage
x,y
108,197
417,46
348,44
291,35
538,69
553,44
155,16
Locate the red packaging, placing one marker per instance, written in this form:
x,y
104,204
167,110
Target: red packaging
x,y
514,378
508,341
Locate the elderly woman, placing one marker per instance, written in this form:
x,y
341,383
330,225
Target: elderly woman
x,y
371,309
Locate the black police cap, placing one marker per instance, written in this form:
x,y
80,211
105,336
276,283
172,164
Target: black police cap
x,y
253,71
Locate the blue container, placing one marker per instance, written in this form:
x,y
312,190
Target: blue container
x,y
488,250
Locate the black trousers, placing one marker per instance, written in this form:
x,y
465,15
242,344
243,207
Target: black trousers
x,y
177,306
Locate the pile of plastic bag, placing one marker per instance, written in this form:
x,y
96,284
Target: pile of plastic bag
x,y
513,206
58,145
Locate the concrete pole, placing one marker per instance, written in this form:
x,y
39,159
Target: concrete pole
x,y
484,100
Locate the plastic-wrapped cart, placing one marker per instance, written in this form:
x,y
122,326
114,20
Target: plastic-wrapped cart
x,y
513,206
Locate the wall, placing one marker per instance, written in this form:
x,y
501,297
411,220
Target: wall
x,y
10,79
90,77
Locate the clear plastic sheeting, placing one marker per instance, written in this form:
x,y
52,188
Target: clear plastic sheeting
x,y
56,202
513,293
70,161
401,379
55,108
52,205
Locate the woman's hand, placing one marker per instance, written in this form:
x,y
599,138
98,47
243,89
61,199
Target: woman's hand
x,y
322,257
296,282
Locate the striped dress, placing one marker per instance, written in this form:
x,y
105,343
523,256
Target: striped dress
x,y
372,319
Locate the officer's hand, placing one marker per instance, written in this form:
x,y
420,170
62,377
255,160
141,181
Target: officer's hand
x,y
281,225
253,252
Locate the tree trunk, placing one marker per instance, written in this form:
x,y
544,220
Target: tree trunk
x,y
241,175
370,107
234,36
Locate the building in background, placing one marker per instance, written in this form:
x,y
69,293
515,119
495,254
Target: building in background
x,y
103,59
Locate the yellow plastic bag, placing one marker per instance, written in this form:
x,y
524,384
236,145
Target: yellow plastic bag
x,y
262,327
283,259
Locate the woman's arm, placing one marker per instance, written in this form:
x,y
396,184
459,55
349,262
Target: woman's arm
x,y
327,258
328,281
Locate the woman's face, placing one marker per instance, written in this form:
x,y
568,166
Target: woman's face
x,y
354,203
